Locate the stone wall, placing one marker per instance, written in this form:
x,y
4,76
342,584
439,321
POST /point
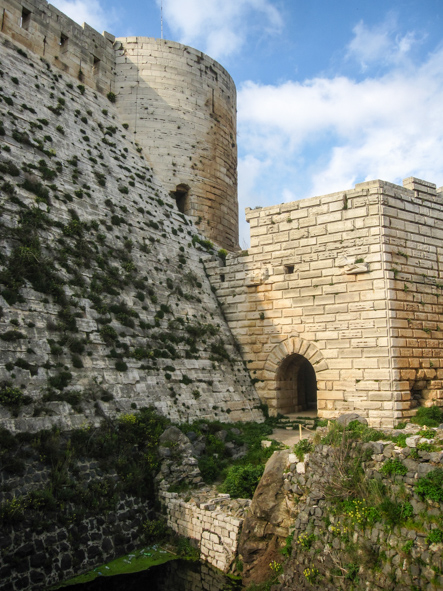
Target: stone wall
x,y
38,553
180,106
347,516
347,551
216,533
336,285
76,50
413,233
100,225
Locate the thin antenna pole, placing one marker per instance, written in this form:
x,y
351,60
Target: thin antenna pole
x,y
161,18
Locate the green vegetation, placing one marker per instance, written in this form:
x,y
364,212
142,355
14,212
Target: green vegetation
x,y
393,466
137,561
428,416
13,398
125,448
241,481
304,446
216,464
431,486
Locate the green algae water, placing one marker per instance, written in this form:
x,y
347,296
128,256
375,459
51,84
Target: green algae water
x,y
175,575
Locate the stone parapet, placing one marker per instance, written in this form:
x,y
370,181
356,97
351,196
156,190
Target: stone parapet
x,y
79,51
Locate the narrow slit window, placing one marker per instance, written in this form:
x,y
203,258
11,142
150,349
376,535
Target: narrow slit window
x,y
181,196
289,269
222,278
26,19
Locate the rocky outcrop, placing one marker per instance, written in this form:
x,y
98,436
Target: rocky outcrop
x,y
268,521
178,463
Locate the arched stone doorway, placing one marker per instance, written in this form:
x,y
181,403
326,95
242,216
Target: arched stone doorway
x,y
290,377
296,385
181,196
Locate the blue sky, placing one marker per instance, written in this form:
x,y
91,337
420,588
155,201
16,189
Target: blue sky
x,y
329,93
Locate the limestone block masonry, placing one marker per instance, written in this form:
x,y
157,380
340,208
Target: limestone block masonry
x,y
79,51
216,533
348,286
180,106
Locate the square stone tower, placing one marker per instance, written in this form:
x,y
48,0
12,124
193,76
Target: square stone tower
x,y
338,303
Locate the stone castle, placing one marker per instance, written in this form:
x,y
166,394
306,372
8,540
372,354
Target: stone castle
x,y
178,103
336,304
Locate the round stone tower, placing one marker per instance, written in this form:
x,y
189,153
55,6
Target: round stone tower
x,y
180,106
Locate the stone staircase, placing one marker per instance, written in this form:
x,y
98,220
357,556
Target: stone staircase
x,y
292,421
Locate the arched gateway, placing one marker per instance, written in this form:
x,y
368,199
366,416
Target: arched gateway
x,y
292,370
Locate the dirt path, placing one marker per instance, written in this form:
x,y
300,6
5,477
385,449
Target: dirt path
x,y
285,436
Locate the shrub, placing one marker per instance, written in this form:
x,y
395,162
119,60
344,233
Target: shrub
x,y
61,380
12,335
209,468
108,334
431,486
241,481
287,548
155,531
111,97
13,511
10,168
427,433
77,361
393,466
359,512
304,446
305,540
222,253
120,365
13,398
38,189
396,513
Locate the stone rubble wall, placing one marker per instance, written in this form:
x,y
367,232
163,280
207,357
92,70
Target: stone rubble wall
x,y
180,106
37,555
406,560
216,533
84,54
349,281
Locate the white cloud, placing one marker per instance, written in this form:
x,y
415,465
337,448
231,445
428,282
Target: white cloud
x,y
88,11
325,134
220,27
380,44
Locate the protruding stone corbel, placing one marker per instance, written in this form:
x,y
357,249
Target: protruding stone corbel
x,y
352,266
257,277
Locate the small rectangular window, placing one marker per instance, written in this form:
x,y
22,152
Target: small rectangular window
x,y
222,278
26,18
95,65
289,269
63,43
